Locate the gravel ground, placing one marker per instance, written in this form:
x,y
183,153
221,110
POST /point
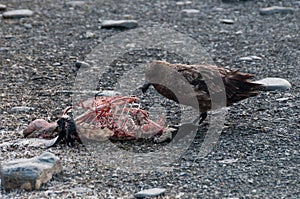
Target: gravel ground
x,y
258,152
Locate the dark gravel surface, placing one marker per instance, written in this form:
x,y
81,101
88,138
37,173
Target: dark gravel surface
x,y
258,152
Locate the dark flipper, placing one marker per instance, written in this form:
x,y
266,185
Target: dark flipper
x,y
62,131
145,87
202,116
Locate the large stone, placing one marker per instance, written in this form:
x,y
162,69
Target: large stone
x,y
29,174
119,24
17,13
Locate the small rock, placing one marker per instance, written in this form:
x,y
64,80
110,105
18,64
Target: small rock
x,y
190,11
17,13
2,7
150,193
276,9
227,21
272,83
75,3
29,174
21,109
119,24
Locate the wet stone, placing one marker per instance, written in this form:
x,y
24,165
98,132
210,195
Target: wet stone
x,y
276,9
128,24
29,174
2,7
150,193
17,13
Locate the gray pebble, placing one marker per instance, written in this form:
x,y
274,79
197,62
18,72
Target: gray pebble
x,y
21,109
119,24
150,193
190,11
2,7
17,13
272,83
276,9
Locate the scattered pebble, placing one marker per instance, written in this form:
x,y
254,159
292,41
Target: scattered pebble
x,y
29,174
119,24
75,3
227,21
21,109
150,193
2,7
273,83
17,13
276,9
190,11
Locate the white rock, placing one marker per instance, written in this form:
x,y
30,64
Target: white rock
x,y
17,13
150,193
119,24
276,9
282,99
274,83
190,11
75,3
182,3
245,59
228,161
227,21
21,109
